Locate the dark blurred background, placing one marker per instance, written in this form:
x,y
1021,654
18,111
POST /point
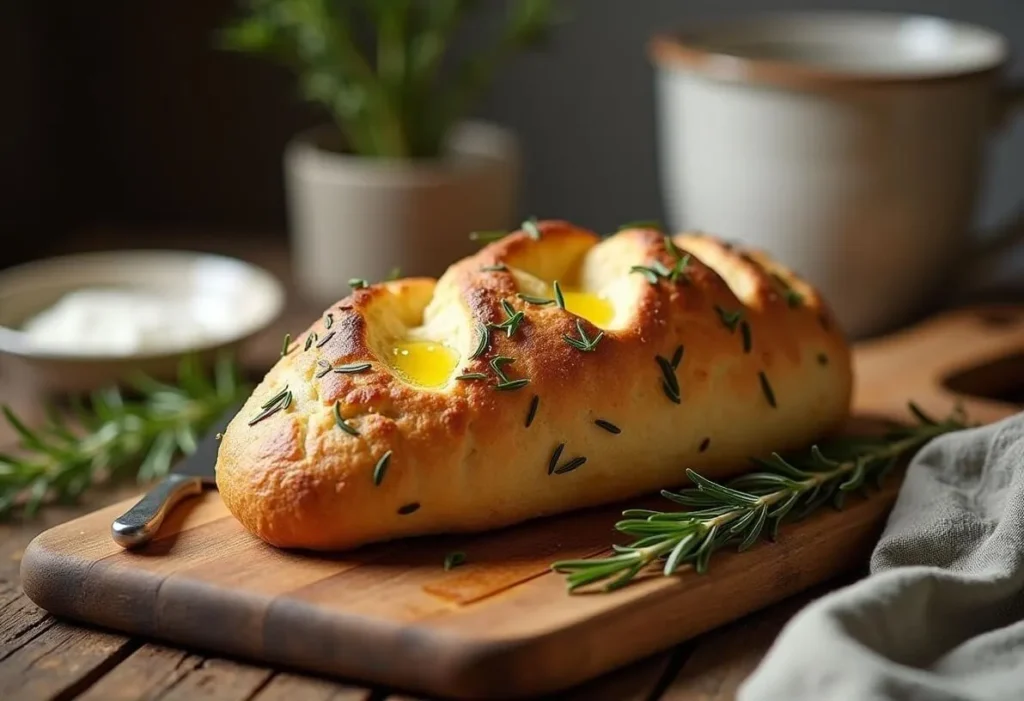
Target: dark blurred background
x,y
124,113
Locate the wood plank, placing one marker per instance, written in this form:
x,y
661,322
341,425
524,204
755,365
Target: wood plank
x,y
293,687
156,672
60,661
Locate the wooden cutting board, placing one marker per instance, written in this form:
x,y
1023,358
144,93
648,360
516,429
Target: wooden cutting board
x,y
502,625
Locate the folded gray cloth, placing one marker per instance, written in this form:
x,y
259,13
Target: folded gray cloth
x,y
939,617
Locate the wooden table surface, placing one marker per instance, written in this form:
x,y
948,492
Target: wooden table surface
x,y
45,658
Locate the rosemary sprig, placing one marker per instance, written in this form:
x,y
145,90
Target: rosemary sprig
x,y
115,435
740,512
513,318
584,343
504,383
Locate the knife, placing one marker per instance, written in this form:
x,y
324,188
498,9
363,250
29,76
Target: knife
x,y
139,524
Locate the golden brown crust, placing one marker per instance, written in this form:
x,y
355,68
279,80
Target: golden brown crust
x,y
462,458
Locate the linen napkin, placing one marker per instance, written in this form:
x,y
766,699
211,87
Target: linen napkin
x,y
939,618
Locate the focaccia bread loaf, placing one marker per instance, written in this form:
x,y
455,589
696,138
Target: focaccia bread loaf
x,y
707,355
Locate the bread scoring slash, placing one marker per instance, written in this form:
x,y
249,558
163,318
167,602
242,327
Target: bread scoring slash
x,y
552,370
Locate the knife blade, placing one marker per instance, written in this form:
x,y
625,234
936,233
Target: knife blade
x,y
139,524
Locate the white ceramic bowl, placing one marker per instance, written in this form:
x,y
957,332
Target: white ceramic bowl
x,y
253,296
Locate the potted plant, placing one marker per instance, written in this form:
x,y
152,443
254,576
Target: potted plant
x,y
400,176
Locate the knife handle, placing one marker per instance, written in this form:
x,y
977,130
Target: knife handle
x,y
140,523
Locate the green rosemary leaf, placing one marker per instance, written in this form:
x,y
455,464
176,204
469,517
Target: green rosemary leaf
x,y
358,283
671,247
309,340
570,466
324,366
767,389
496,268
325,339
275,399
498,362
583,343
553,462
484,339
745,332
679,552
540,301
755,529
670,392
677,358
641,224
409,508
510,385
471,376
532,413
651,275
453,560
607,426
507,307
487,236
856,478
351,368
341,422
559,299
729,319
531,229
284,344
680,269
381,468
720,491
328,320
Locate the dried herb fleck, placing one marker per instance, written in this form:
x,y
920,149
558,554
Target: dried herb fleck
x,y
608,426
767,389
729,319
532,413
409,508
